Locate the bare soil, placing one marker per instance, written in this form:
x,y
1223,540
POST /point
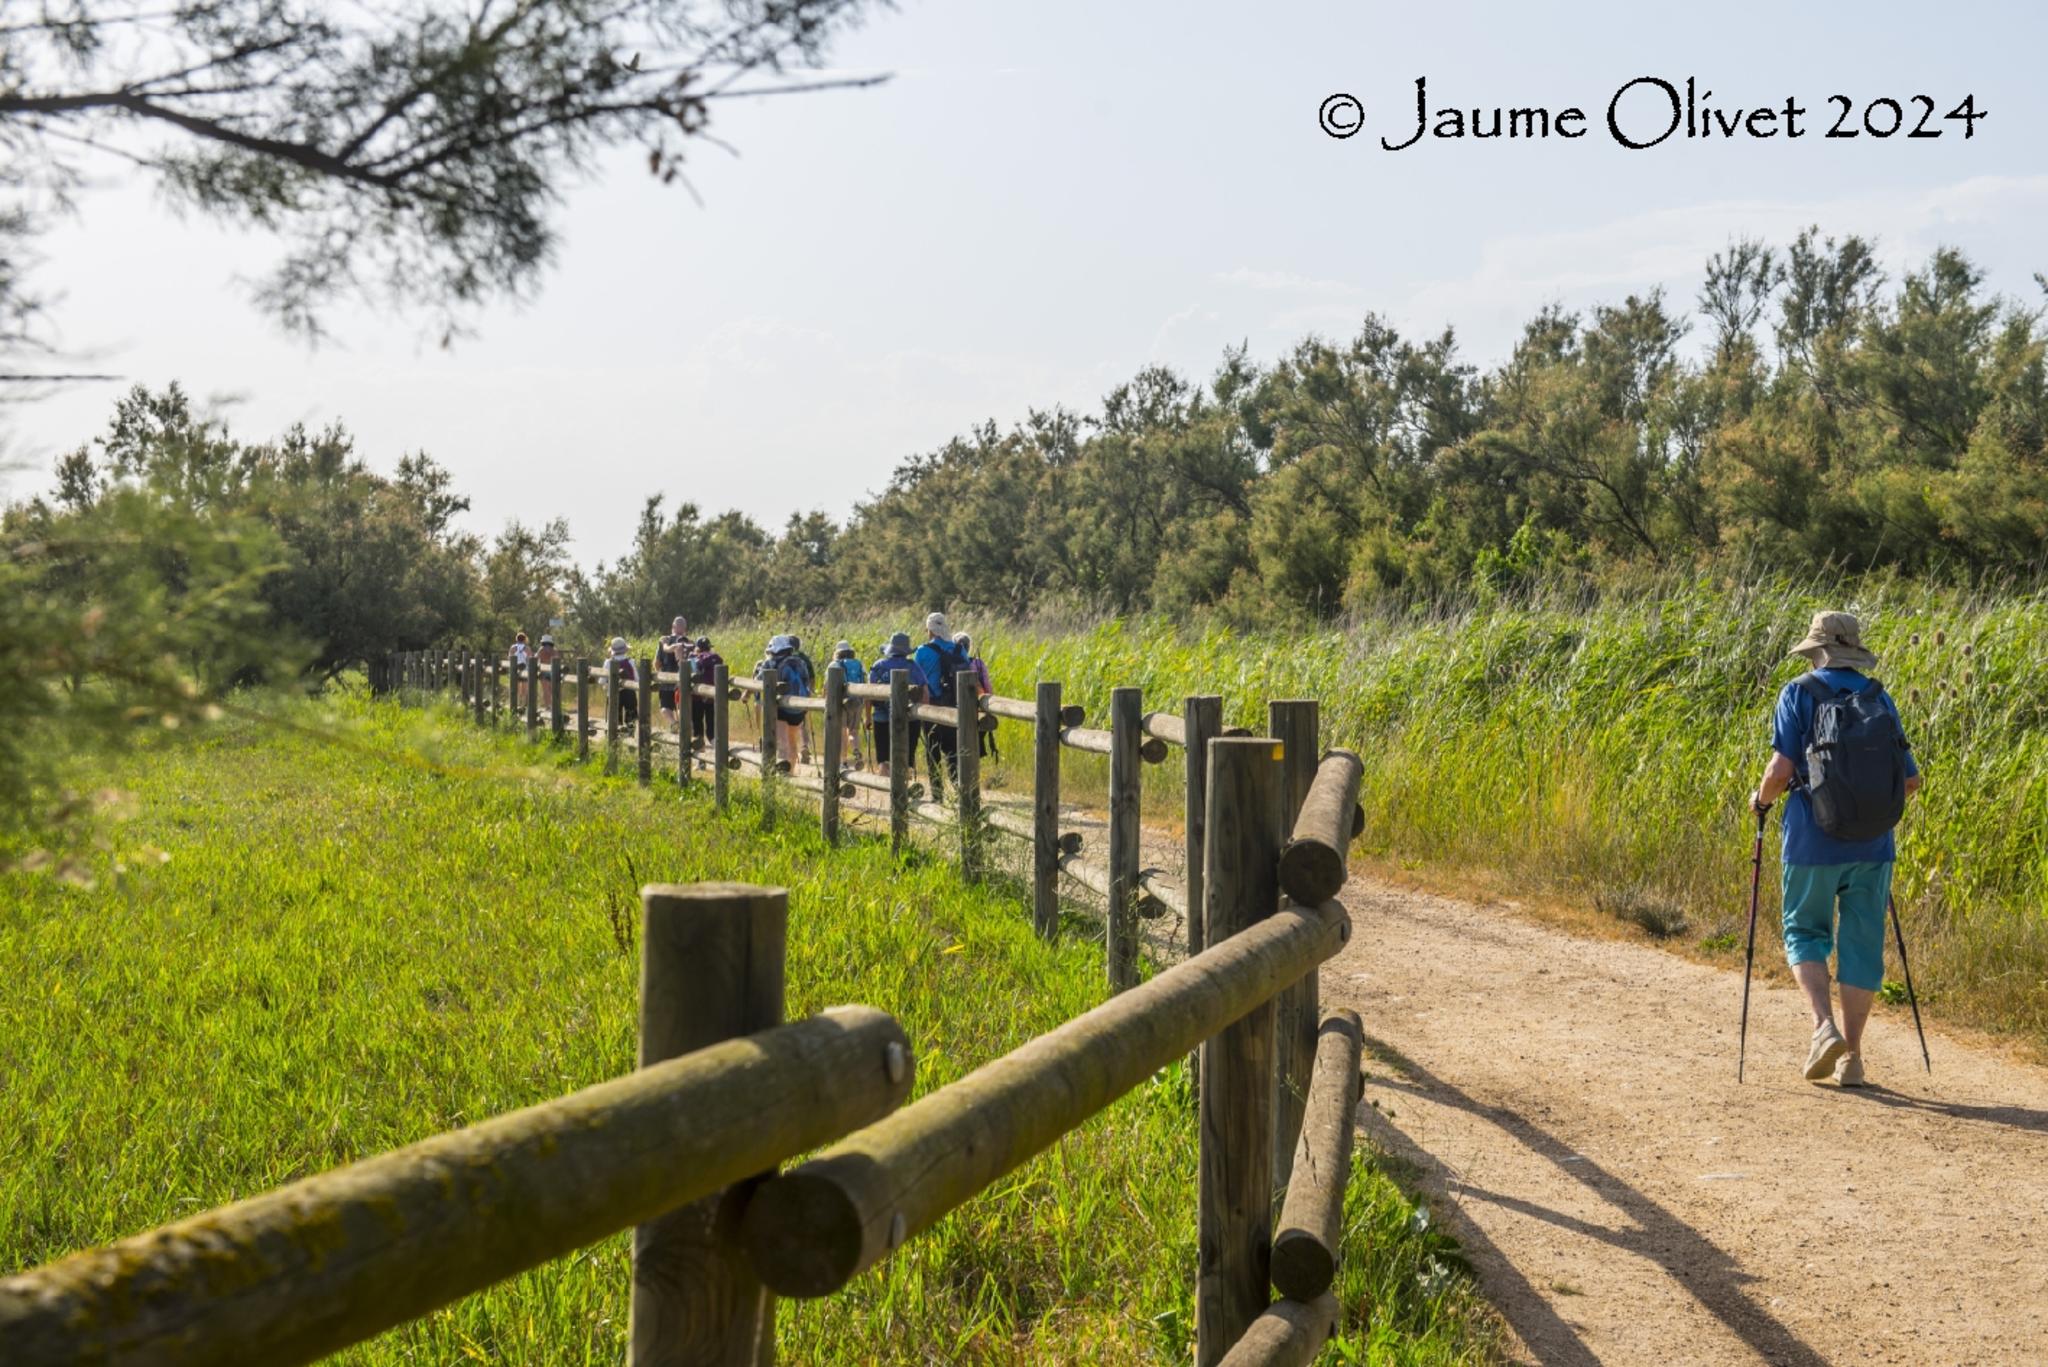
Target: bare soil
x,y
1573,1106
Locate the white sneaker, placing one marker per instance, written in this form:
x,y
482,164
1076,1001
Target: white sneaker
x,y
1849,1072
1828,1047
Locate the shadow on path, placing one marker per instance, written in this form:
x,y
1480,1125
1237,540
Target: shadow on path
x,y
2013,1117
1707,1273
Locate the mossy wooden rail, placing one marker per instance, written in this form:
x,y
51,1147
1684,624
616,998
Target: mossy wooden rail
x,y
724,1093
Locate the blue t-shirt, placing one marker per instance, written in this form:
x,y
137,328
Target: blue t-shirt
x,y
927,656
1791,728
888,665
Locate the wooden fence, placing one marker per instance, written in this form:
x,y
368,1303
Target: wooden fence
x,y
500,691
685,1150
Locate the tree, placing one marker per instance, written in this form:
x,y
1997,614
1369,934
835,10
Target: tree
x,y
358,566
526,573
406,150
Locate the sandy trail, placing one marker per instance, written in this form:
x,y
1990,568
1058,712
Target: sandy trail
x,y
1575,1103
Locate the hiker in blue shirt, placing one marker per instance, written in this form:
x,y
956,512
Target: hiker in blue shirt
x,y
850,716
810,677
946,669
1838,745
789,683
896,658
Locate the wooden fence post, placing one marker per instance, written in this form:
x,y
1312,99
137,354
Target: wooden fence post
x,y
721,734
645,700
686,703
1126,728
1235,1201
711,970
1202,715
835,745
900,727
967,770
1202,722
771,691
1298,1011
476,687
555,697
582,708
532,672
611,714
1045,813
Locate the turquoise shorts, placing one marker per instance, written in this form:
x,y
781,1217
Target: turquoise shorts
x,y
1813,892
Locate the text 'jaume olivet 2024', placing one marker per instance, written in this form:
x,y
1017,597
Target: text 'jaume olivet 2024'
x,y
1651,111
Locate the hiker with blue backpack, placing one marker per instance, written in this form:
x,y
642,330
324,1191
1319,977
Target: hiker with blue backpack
x,y
1839,753
780,663
851,669
946,670
896,659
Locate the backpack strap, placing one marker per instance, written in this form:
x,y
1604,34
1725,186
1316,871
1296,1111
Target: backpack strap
x,y
1817,688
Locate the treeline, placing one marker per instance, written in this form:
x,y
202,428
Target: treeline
x,y
1828,420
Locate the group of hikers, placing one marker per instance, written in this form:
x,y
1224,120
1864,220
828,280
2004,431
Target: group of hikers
x,y
936,671
1839,758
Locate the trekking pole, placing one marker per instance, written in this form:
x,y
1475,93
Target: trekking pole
x,y
1756,883
1899,933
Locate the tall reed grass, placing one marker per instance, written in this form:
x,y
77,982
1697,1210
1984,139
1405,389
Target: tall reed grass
x,y
1604,746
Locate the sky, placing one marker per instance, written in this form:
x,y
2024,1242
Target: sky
x,y
1047,197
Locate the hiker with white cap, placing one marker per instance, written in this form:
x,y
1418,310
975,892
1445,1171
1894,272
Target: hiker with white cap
x,y
943,663
629,699
1839,747
781,665
518,655
809,671
851,669
543,658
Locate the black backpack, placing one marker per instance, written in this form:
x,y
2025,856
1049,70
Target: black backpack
x,y
952,659
1855,761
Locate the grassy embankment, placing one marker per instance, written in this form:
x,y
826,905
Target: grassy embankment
x,y
1603,751
371,925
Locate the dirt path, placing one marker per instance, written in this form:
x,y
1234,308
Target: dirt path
x,y
1625,1201
1573,1103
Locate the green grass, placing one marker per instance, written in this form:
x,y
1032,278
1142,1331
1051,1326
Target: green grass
x,y
333,930
1605,748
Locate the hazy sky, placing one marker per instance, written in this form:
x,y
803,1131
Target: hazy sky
x,y
1051,194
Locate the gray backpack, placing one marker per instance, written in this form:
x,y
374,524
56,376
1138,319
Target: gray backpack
x,y
1855,772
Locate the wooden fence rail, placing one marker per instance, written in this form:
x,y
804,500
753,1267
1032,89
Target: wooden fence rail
x,y
307,1269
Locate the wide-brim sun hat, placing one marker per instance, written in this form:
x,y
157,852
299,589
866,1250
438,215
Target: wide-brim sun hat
x,y
899,644
619,646
843,648
547,640
1834,640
